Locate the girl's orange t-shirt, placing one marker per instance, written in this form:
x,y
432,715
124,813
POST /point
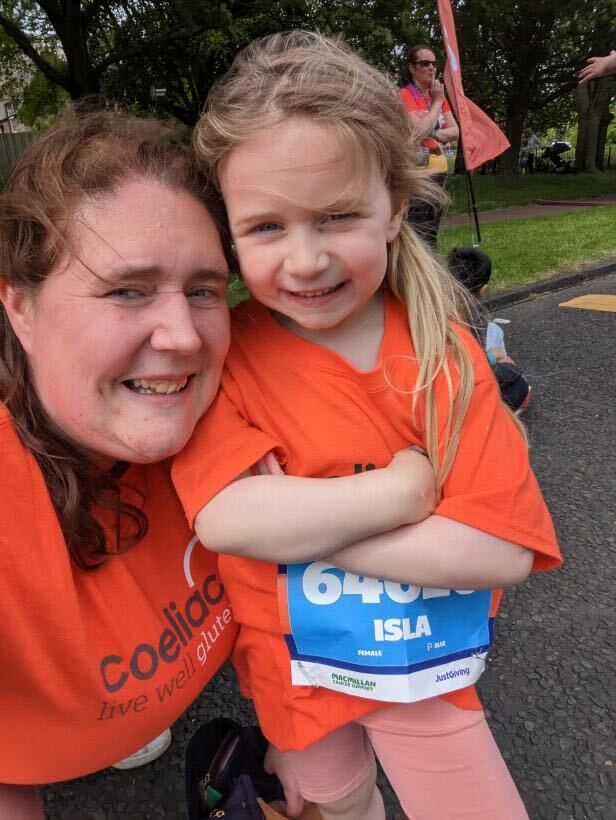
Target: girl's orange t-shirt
x,y
324,418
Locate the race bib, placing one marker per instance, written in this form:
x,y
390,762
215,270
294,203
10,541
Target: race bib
x,y
379,639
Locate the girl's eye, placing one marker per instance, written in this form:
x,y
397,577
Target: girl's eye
x,y
267,227
340,217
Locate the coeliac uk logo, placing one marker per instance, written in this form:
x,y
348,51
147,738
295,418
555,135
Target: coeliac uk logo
x,y
190,628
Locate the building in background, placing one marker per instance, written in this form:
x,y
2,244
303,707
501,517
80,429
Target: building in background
x,y
8,123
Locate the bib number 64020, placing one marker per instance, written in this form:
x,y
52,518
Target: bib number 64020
x,y
324,584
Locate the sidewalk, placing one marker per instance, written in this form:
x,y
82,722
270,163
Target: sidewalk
x,y
543,207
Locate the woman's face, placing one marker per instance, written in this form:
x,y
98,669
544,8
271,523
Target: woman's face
x,y
423,75
126,342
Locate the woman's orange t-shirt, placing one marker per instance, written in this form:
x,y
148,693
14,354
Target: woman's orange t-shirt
x,y
96,664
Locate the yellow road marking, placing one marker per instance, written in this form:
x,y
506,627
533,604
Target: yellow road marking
x,y
593,301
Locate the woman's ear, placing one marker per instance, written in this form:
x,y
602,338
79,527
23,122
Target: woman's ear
x,y
19,306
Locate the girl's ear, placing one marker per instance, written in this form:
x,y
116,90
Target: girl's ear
x,y
19,307
393,228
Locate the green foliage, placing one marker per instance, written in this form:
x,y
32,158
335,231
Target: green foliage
x,y
186,68
14,68
123,48
40,102
519,57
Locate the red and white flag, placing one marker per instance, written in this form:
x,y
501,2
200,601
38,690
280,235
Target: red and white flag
x,y
482,139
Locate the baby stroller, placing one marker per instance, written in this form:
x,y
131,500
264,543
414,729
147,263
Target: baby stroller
x,y
551,159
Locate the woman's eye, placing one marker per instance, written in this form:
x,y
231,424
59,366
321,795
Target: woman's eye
x,y
205,295
125,294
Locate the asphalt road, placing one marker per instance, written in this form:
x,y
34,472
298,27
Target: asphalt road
x,y
550,686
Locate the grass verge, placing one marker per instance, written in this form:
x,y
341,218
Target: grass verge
x,y
498,192
526,250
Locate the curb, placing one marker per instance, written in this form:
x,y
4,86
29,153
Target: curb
x,y
553,283
582,203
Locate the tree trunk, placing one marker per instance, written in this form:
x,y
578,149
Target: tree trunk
x,y
604,123
592,100
517,111
70,25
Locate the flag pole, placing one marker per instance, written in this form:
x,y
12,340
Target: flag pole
x,y
472,207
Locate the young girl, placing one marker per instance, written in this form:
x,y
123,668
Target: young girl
x,y
350,351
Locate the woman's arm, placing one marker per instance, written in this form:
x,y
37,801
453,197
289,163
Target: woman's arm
x,y
450,130
20,802
438,552
423,123
292,519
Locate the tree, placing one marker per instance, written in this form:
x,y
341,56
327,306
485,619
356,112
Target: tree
x,y
593,104
520,57
39,101
88,36
121,48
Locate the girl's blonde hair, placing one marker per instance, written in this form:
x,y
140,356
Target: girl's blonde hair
x,y
304,74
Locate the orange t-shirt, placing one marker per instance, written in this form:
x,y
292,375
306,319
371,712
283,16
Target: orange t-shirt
x,y
327,419
95,664
413,102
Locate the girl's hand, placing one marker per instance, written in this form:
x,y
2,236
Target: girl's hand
x,y
275,763
414,481
500,356
268,465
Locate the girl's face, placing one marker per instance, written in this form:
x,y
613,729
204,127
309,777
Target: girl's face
x,y
312,247
126,341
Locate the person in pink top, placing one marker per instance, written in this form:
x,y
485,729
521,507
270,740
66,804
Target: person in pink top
x,y
434,125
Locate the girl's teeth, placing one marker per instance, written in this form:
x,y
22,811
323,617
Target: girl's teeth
x,y
314,292
145,386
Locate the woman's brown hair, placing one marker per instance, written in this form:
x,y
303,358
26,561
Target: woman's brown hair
x,y
79,159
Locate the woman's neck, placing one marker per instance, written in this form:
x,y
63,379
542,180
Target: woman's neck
x,y
425,90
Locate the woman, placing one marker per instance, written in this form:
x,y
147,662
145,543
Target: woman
x,y
434,125
113,332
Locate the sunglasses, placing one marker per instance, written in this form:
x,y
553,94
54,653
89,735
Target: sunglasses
x,y
425,63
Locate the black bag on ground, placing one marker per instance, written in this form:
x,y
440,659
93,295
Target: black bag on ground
x,y
224,772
